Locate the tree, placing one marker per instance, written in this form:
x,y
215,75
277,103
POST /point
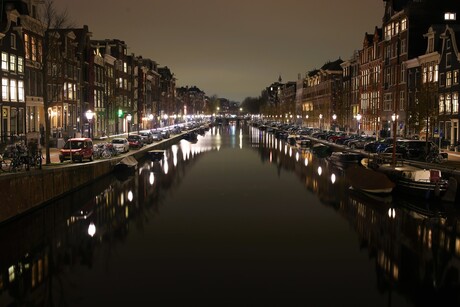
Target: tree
x,y
52,61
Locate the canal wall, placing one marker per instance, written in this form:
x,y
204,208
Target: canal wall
x,y
28,190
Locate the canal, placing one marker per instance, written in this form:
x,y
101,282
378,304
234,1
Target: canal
x,y
238,218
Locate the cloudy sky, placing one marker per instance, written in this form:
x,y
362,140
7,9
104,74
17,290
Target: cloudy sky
x,y
233,49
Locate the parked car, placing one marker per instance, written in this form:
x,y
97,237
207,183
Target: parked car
x,y
77,149
120,144
135,141
146,137
165,134
156,135
360,142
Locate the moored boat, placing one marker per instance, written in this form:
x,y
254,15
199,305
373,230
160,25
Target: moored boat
x,y
345,158
368,180
127,164
155,155
426,183
321,150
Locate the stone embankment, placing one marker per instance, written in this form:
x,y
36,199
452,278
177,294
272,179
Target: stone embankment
x,y
24,191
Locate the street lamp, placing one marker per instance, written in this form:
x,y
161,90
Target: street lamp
x,y
128,118
334,117
358,119
394,117
320,117
89,116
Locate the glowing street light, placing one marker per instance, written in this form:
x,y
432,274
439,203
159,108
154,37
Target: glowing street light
x,y
358,119
89,116
128,118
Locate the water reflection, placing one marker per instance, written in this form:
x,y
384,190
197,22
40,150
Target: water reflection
x,y
416,247
415,251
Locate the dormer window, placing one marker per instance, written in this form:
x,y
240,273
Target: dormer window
x,y
450,16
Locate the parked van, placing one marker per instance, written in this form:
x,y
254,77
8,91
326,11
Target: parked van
x,y
77,149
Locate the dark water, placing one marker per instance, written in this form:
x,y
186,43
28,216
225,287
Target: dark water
x,y
237,219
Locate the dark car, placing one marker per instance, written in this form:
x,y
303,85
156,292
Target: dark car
x,y
156,135
378,146
135,141
146,137
361,142
418,149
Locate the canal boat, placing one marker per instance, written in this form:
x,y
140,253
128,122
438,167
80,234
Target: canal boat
x,y
345,158
191,136
416,181
126,165
155,155
321,150
369,181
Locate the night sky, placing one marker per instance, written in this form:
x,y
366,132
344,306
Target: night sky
x,y
233,49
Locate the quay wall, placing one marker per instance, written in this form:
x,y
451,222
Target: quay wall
x,y
28,190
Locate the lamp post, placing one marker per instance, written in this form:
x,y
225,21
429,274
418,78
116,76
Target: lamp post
x,y
128,118
320,117
89,116
334,118
394,118
358,119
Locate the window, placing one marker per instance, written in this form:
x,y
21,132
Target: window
x,y
455,79
448,103
34,48
402,96
5,95
404,24
441,104
27,46
12,62
455,103
13,91
403,46
450,16
448,79
436,73
21,91
13,41
448,59
442,81
20,64
125,67
4,61
387,102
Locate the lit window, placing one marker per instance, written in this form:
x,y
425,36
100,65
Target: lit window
x,y
20,64
403,24
455,103
448,78
4,61
21,91
5,95
13,90
450,16
27,46
12,62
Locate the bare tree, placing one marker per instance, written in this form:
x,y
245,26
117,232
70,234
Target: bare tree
x,y
53,62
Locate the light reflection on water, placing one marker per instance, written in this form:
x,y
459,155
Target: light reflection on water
x,y
240,216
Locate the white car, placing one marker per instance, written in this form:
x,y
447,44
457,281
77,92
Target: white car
x,y
120,144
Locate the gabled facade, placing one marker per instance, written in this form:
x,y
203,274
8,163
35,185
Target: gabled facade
x,y
123,75
404,24
370,68
346,115
449,85
21,103
323,94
